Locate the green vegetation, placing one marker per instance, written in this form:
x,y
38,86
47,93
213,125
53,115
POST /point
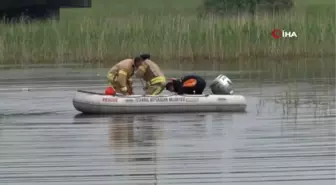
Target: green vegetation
x,y
175,35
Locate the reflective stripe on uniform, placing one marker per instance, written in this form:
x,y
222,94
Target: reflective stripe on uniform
x,y
143,68
158,91
124,89
110,74
122,72
110,78
159,79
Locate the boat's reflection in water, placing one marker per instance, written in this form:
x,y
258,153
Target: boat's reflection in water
x,y
150,146
143,130
131,137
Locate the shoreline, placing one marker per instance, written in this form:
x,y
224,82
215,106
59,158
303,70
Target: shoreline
x,y
169,38
304,68
177,39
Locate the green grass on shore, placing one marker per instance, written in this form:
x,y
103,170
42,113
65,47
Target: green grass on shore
x,y
171,31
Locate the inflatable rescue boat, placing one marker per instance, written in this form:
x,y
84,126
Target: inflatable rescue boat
x,y
99,103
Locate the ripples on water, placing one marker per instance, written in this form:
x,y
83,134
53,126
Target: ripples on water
x,y
286,137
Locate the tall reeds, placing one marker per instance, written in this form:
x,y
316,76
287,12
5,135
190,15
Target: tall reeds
x,y
175,39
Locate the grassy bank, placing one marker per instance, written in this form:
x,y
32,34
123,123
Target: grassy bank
x,y
172,32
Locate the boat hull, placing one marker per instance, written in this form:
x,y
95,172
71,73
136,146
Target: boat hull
x,y
96,103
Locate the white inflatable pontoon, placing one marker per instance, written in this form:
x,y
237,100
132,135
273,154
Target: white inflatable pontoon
x,y
96,103
222,100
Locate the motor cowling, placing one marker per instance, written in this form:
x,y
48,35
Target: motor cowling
x,y
222,85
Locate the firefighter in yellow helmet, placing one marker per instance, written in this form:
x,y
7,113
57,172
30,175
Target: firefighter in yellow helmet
x,y
151,74
120,76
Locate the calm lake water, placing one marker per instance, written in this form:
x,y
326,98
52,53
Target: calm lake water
x,y
287,136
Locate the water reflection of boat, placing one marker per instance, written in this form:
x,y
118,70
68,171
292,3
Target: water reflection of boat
x,y
89,119
121,132
138,131
144,130
143,145
127,134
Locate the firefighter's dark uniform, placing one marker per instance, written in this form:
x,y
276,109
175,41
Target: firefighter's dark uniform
x,y
190,84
